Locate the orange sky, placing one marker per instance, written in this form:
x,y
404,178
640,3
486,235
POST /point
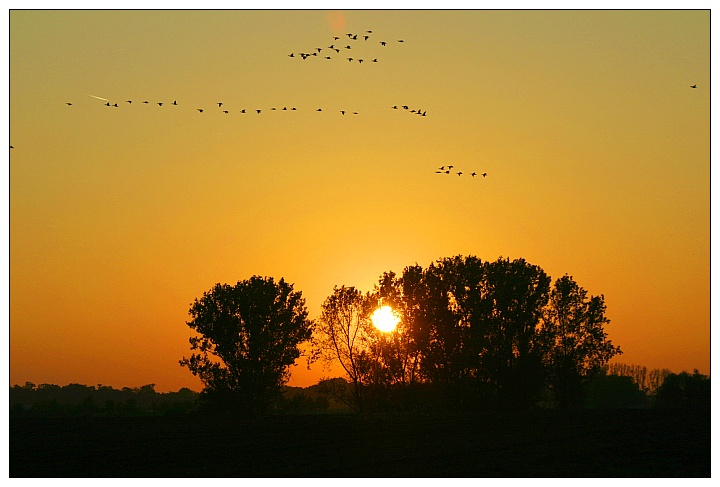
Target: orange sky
x,y
596,148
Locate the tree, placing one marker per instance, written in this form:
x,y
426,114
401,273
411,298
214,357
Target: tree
x,y
685,391
343,334
249,337
399,353
505,312
574,340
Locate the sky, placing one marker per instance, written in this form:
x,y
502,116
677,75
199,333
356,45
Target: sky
x,y
595,146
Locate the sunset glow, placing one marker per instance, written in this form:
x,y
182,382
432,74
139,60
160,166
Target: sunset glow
x,y
159,152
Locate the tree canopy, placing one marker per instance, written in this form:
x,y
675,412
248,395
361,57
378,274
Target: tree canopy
x,y
248,337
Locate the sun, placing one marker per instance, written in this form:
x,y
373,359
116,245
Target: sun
x,y
385,319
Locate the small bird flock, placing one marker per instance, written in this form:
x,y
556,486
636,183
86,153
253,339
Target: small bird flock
x,y
342,49
222,107
449,170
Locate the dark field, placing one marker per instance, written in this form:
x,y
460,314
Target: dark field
x,y
625,443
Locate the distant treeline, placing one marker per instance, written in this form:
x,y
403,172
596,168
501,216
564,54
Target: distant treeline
x,y
618,386
79,399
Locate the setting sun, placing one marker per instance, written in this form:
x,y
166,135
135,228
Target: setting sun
x,y
385,319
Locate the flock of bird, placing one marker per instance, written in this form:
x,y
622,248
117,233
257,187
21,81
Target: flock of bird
x,y
222,107
337,47
448,170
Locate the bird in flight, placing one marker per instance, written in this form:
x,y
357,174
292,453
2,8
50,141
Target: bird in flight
x,y
693,86
160,103
68,103
225,111
146,101
128,101
484,174
382,43
459,173
473,174
219,104
200,110
258,111
174,102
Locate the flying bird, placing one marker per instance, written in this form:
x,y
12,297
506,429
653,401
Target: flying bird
x,y
219,104
484,174
382,43
258,111
146,101
128,101
200,110
342,111
473,174
460,173
366,37
693,86
68,104
174,102
319,110
375,60
394,106
160,103
242,111
225,111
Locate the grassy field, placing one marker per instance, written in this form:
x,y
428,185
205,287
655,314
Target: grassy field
x,y
620,443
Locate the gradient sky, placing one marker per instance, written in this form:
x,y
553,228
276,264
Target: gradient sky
x,y
597,154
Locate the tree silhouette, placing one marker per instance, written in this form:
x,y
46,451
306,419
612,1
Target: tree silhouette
x,y
685,391
249,337
343,334
398,350
574,340
507,310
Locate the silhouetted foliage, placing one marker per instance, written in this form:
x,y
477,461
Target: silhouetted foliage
x,y
614,392
685,391
649,381
82,400
343,335
249,337
485,333
575,343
